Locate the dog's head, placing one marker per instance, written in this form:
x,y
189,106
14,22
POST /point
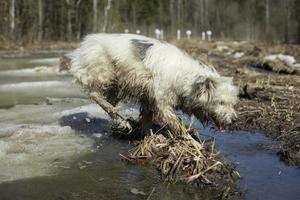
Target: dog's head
x,y
214,99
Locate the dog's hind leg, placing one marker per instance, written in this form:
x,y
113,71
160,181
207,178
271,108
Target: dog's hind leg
x,y
147,118
119,123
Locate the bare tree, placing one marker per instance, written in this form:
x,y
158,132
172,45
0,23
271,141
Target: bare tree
x,y
179,3
12,17
106,12
78,20
267,20
287,20
267,15
69,20
202,14
134,15
95,15
40,18
172,15
161,17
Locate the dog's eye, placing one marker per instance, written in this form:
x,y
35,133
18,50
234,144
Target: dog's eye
x,y
221,102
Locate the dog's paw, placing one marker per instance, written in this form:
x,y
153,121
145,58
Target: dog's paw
x,y
121,126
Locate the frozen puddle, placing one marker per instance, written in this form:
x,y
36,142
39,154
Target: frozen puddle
x,y
33,143
36,91
49,61
45,138
38,150
26,62
36,71
34,96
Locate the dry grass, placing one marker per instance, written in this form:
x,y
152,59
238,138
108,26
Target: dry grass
x,y
183,159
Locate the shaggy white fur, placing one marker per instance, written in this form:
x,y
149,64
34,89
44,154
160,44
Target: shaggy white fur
x,y
156,74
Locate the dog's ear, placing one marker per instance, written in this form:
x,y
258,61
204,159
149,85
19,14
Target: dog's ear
x,y
204,86
209,84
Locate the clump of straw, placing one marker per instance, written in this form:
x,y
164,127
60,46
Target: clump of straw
x,y
182,158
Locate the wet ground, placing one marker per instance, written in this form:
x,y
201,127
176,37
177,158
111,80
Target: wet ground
x,y
269,82
55,144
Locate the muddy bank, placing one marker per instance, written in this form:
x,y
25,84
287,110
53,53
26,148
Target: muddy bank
x,y
57,48
269,81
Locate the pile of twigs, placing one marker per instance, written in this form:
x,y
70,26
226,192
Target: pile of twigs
x,y
182,158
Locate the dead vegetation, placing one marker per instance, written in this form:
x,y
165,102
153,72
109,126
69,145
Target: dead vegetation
x,y
185,159
269,91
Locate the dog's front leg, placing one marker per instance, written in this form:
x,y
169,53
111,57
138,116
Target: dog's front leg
x,y
119,123
147,118
167,116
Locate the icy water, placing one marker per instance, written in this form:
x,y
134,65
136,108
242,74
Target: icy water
x,y
55,144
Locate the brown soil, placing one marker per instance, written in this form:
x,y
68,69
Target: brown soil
x,y
269,92
9,48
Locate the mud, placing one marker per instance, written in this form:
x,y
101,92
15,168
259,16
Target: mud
x,y
269,90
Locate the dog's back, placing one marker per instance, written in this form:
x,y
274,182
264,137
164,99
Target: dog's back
x,y
106,62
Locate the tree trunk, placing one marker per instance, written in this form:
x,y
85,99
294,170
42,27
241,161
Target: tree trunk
x,y
297,17
106,11
40,25
161,17
196,17
172,16
267,16
69,20
202,15
287,21
179,14
95,15
78,20
12,17
134,18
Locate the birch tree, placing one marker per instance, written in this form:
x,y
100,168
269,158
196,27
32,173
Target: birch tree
x,y
12,17
40,18
78,20
106,12
287,20
69,19
267,15
95,15
179,4
172,15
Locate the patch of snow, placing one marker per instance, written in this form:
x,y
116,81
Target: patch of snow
x,y
36,71
37,91
45,60
38,150
92,109
239,42
297,65
289,60
238,54
33,85
224,48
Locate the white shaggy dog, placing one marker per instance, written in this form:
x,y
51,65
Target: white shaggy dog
x,y
156,74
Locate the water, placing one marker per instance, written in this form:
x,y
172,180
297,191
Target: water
x,y
55,144
264,175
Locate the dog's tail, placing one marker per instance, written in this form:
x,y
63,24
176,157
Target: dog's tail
x,y
64,63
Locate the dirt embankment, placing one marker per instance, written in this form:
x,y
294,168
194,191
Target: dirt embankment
x,y
7,49
269,82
